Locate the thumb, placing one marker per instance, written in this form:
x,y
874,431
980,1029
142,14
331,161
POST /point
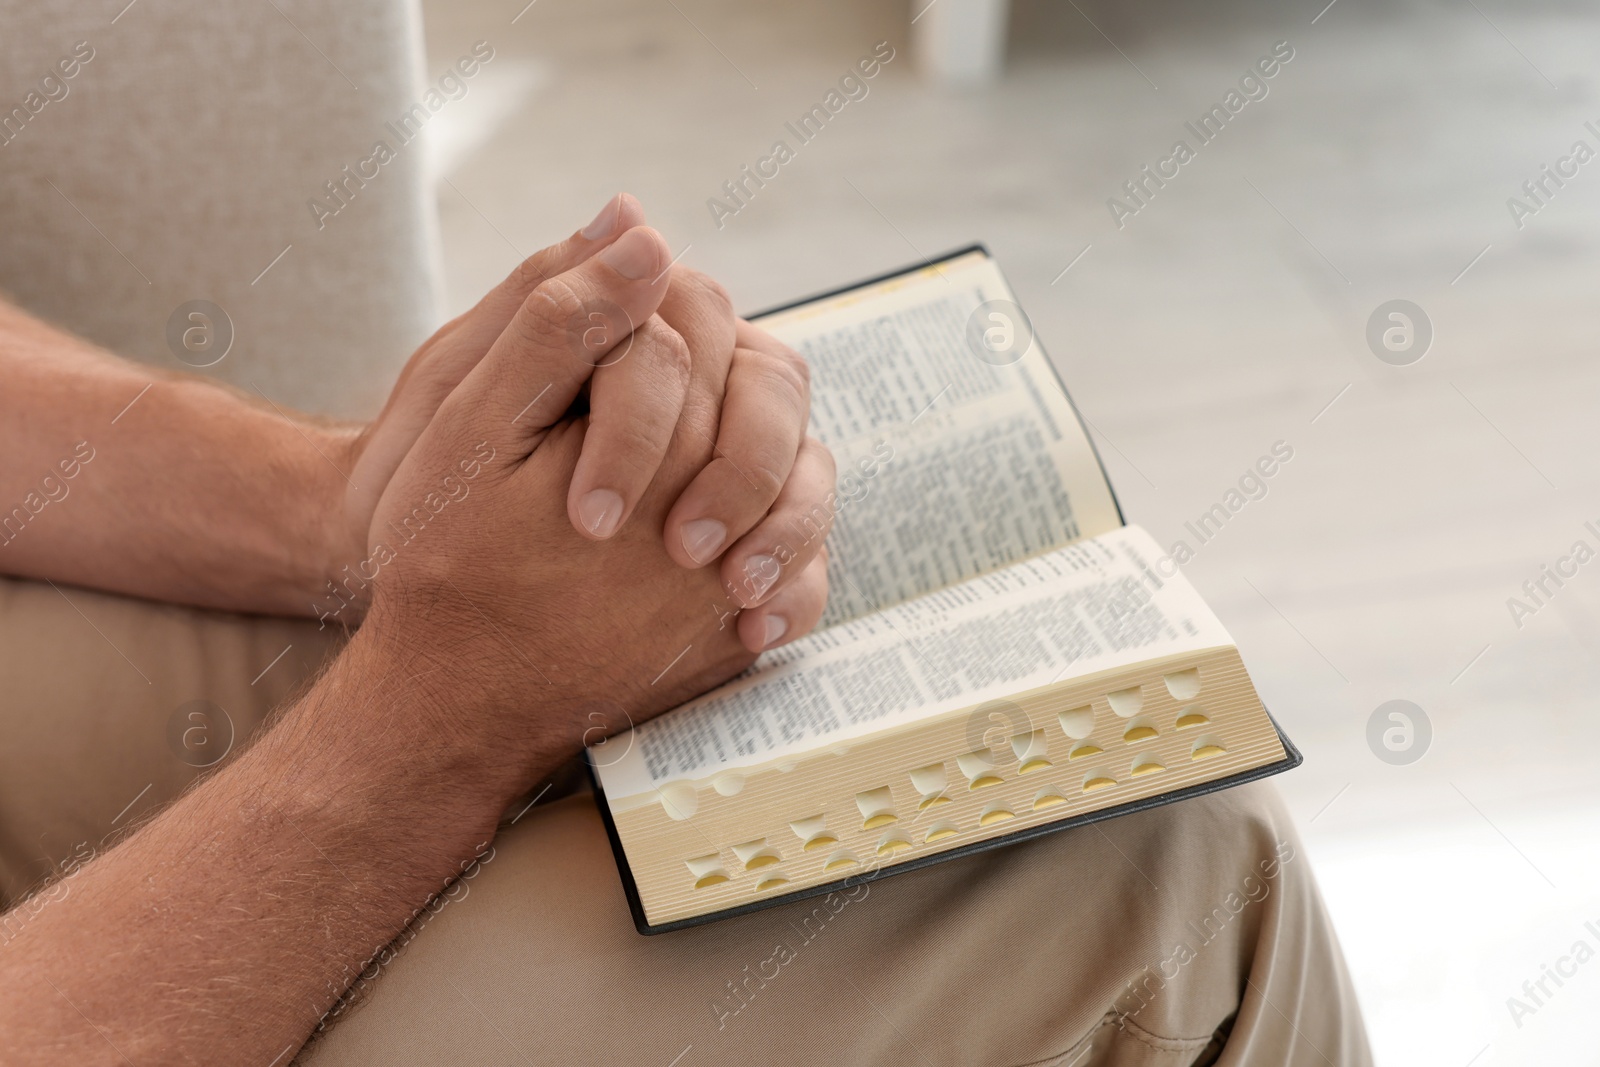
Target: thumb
x,y
445,359
489,316
567,326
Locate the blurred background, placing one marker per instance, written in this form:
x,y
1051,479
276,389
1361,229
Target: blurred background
x,y
1398,152
1226,314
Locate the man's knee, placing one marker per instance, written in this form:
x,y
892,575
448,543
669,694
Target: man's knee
x,y
1203,877
1221,857
1244,941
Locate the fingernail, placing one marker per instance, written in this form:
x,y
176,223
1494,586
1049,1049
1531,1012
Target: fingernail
x,y
633,256
760,572
600,511
777,626
603,222
702,538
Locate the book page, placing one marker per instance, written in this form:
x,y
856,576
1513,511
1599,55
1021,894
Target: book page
x,y
958,451
1096,605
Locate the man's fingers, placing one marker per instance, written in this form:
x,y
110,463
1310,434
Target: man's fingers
x,y
671,381
445,360
763,421
567,326
782,544
789,614
634,405
699,309
619,215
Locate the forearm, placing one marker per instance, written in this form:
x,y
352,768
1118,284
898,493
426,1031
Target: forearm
x,y
126,478
223,929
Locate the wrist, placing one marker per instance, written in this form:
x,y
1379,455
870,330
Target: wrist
x,y
383,744
333,588
433,685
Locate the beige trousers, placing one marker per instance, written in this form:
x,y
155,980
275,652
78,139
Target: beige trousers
x,y
1189,934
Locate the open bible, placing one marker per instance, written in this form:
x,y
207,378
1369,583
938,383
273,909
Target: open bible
x,y
1000,657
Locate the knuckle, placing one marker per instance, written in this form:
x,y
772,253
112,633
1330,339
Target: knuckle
x,y
718,295
704,287
700,306
672,351
767,481
791,374
529,273
636,449
548,313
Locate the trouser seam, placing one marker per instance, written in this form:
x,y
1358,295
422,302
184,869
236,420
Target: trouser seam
x,y
1124,1022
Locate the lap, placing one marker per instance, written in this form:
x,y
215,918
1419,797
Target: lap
x,y
1191,933
1060,950
110,706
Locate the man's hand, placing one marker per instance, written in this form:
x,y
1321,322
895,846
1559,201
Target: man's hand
x,y
482,580
634,406
456,347
186,491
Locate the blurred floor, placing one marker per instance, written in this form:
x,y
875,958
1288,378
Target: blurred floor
x,y
1228,313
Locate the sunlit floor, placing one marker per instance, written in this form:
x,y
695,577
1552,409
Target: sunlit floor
x,y
1227,313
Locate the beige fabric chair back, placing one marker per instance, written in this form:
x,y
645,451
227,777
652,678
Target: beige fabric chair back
x,y
170,152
